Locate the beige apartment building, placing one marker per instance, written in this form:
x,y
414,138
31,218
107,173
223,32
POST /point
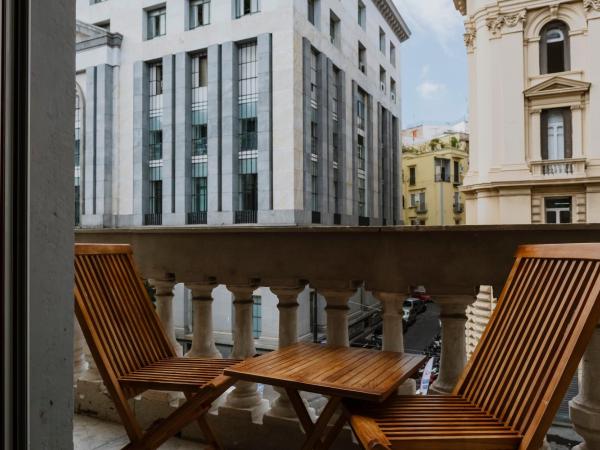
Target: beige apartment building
x,y
433,165
535,109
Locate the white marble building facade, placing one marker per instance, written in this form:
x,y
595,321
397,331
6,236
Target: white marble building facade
x,y
534,106
238,112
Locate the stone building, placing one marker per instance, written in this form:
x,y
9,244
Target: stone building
x,y
534,141
250,112
433,165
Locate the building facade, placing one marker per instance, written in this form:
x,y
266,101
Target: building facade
x,y
534,107
433,165
238,112
268,112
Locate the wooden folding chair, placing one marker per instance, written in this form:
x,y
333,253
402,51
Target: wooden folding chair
x,y
131,349
513,385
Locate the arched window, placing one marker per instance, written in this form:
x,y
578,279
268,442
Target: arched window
x,y
555,52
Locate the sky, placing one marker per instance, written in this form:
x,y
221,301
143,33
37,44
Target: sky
x,y
433,63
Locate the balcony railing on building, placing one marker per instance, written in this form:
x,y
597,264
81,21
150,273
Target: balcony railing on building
x,y
153,219
458,208
559,168
246,217
197,218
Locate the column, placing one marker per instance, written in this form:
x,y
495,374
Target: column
x,y
454,356
168,143
264,115
140,140
585,408
535,139
164,309
288,335
577,131
245,399
182,139
79,363
337,316
393,337
203,343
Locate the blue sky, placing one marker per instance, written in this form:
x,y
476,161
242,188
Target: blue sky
x,y
434,63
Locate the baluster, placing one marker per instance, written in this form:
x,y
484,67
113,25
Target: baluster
x,y
203,342
164,308
453,357
337,315
80,364
245,398
585,407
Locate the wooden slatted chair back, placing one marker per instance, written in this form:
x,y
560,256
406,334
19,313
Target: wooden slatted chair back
x,y
530,350
115,311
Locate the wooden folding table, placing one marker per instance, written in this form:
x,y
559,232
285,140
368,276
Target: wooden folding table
x,y
337,372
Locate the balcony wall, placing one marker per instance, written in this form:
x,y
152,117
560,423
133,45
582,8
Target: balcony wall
x,y
451,262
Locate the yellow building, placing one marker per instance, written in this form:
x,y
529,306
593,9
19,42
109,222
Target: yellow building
x,y
433,172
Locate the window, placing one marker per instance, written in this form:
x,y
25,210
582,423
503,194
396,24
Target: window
x,y
248,127
199,13
97,1
362,202
155,140
558,209
362,58
245,7
417,200
382,41
335,140
199,151
256,316
362,15
360,112
157,23
382,79
556,128
412,176
77,159
393,89
312,11
314,129
334,28
456,172
442,169
555,53
392,54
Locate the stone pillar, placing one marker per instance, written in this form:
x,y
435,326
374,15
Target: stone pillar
x,y
164,308
337,316
478,316
79,363
585,408
288,335
535,135
454,356
203,342
393,337
245,399
577,131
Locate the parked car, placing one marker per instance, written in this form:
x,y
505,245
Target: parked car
x,y
416,304
420,293
409,316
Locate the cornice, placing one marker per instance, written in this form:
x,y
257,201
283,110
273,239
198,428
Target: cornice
x,y
390,13
461,6
510,20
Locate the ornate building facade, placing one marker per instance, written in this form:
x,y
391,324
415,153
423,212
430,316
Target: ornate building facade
x,y
535,110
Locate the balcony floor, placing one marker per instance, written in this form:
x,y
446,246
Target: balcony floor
x,y
90,434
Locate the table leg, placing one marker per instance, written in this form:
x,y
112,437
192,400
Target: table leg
x,y
334,431
314,439
300,408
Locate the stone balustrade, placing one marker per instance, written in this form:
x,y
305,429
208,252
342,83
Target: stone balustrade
x,y
452,263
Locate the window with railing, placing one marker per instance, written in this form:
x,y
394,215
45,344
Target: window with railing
x,y
156,23
245,7
199,13
155,141
77,158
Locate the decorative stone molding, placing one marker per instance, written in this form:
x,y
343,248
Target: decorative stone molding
x,y
470,36
496,23
591,4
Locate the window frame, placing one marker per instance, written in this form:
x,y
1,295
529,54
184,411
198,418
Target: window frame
x,y
194,6
543,48
159,12
567,132
240,8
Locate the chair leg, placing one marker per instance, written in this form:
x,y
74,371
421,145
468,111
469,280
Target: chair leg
x,y
207,432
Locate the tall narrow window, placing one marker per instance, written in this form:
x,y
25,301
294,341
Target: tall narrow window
x,y
248,139
335,140
199,13
77,160
392,54
362,15
442,169
199,154
555,52
412,176
312,11
314,129
382,41
556,134
155,141
256,316
245,7
362,58
456,172
382,79
334,29
157,23
393,89
361,152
